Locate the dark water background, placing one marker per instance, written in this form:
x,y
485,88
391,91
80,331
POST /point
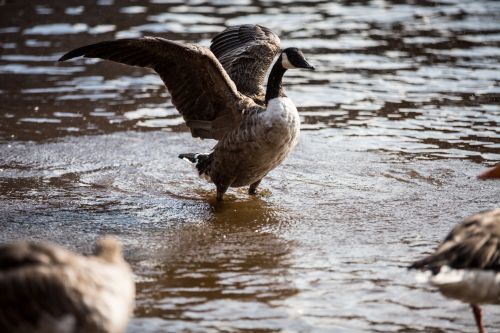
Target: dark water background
x,y
401,114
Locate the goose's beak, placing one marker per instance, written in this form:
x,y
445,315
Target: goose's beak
x,y
492,173
306,65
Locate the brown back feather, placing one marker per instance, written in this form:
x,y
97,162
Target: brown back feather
x,y
473,244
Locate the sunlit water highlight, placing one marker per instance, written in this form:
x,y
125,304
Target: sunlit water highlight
x,y
400,116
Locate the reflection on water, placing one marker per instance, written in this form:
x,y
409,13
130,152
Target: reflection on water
x,y
211,273
400,116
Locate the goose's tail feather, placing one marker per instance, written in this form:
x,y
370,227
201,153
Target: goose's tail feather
x,y
202,162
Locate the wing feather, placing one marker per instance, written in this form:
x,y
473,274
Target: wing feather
x,y
246,52
473,244
200,88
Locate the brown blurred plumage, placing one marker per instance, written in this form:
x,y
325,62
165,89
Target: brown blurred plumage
x,y
46,288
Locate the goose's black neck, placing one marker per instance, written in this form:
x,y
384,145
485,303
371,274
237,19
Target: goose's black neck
x,y
274,88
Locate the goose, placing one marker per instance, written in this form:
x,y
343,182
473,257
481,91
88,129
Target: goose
x,y
466,265
220,93
48,289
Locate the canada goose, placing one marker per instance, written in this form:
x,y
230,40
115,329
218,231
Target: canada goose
x,y
219,92
466,266
47,289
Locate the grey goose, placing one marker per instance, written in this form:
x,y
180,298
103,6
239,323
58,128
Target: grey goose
x,y
466,265
220,94
48,289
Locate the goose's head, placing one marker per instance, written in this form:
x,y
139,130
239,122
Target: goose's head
x,y
292,57
109,249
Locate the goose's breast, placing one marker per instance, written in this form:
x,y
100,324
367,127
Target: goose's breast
x,y
276,135
280,123
262,142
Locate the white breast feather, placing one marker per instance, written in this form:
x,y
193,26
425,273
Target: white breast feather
x,y
280,109
474,286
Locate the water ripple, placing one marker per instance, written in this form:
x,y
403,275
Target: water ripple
x,y
403,105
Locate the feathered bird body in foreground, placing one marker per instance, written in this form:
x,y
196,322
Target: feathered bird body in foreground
x,y
466,266
220,93
47,289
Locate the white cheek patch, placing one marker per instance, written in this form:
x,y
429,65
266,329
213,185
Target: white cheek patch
x,y
285,62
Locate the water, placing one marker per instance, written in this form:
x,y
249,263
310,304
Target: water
x,y
399,117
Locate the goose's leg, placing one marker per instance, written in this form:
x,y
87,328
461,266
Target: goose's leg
x,y
252,190
478,315
221,189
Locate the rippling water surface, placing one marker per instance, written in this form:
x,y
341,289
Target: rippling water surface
x,y
401,114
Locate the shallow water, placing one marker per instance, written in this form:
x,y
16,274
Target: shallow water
x,y
399,117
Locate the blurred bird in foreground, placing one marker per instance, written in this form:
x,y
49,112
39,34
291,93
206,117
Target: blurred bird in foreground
x,y
466,265
46,288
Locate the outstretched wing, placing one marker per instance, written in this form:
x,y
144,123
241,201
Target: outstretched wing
x,y
475,243
201,90
246,52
